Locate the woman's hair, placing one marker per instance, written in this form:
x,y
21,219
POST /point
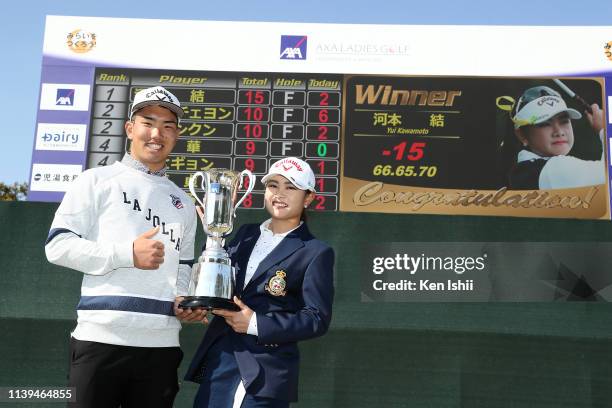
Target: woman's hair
x,y
304,216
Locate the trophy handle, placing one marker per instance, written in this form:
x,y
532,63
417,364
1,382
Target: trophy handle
x,y
251,185
192,180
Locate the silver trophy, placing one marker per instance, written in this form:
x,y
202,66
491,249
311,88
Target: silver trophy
x,y
212,277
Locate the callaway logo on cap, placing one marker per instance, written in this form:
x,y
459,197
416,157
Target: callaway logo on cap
x,y
157,95
297,171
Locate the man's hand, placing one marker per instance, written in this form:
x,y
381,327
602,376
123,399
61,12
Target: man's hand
x,y
148,253
200,214
189,315
238,321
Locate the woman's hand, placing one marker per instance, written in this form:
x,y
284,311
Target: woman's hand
x,y
596,119
238,321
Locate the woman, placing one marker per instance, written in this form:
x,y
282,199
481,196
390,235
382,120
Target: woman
x,y
284,288
542,124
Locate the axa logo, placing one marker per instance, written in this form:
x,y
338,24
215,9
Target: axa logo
x,y
64,97
293,47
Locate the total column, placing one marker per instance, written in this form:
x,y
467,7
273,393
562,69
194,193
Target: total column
x,y
252,134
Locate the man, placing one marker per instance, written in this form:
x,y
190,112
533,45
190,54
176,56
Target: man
x,y
131,232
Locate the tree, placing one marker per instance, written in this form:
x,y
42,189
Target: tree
x,y
13,192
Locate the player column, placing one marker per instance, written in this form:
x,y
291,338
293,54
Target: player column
x,y
323,136
107,141
252,133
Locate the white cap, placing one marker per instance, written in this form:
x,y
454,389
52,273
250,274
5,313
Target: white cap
x,y
157,95
297,171
547,104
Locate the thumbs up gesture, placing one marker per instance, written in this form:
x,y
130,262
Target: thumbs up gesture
x,y
148,253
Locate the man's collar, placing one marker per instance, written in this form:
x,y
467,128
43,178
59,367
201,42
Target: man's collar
x,y
129,161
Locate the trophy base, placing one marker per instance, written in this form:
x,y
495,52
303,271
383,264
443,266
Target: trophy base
x,y
206,302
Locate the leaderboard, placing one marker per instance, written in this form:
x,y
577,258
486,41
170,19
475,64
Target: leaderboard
x,y
234,120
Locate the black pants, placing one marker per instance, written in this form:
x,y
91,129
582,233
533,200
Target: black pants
x,y
109,376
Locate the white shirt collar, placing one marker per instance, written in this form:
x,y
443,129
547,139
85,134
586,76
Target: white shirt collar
x,y
265,228
526,155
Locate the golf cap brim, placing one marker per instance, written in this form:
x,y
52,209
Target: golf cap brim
x,y
156,96
542,109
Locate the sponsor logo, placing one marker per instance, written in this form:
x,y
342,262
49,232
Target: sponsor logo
x,y
363,49
160,94
65,97
371,51
73,97
61,136
176,201
293,47
548,100
80,41
53,177
287,164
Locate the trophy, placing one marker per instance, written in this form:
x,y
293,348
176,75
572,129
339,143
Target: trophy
x,y
212,277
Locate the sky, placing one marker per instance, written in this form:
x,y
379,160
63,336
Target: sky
x,y
22,29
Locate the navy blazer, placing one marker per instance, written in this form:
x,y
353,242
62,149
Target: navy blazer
x,y
269,363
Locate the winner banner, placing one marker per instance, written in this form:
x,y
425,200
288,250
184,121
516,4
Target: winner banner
x,y
487,272
479,146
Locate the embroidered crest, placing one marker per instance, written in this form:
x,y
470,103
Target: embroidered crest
x,y
277,284
176,201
